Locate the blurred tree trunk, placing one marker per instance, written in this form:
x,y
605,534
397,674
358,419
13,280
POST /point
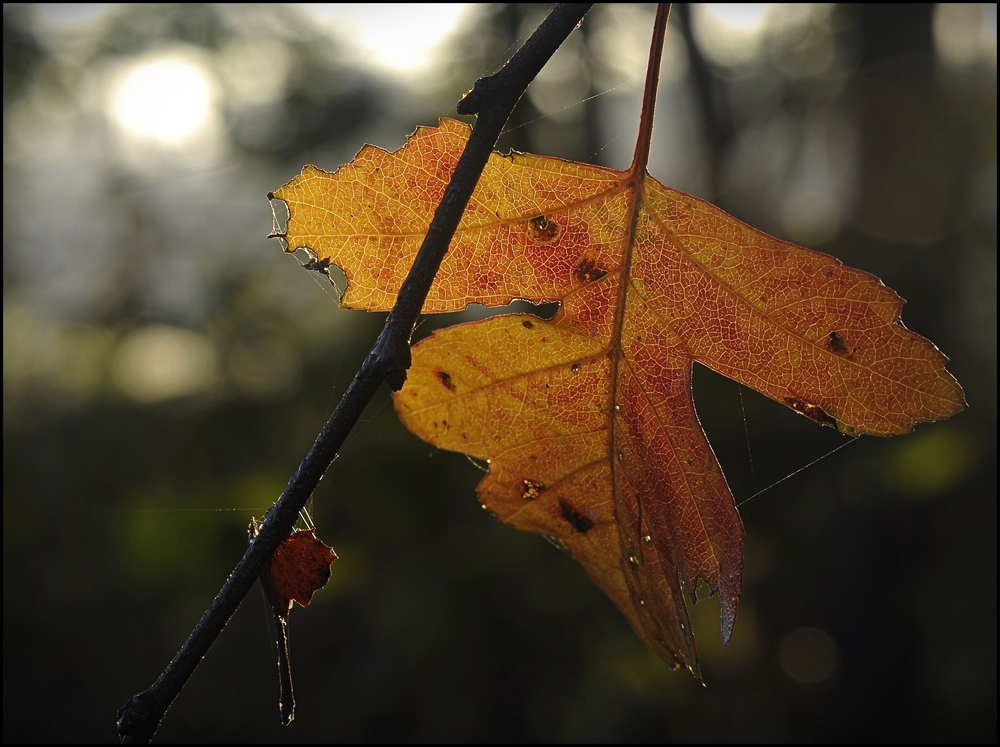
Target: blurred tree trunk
x,y
909,167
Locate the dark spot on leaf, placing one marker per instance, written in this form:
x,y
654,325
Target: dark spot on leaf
x,y
527,324
836,344
532,489
586,271
445,378
542,230
813,412
321,266
578,521
575,367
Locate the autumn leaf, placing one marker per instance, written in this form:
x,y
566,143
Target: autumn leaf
x,y
298,569
587,420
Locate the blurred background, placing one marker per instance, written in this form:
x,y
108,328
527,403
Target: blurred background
x,y
166,367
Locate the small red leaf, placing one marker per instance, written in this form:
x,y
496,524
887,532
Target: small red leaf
x,y
299,568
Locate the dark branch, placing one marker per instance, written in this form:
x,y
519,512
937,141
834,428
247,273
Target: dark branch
x,y
493,99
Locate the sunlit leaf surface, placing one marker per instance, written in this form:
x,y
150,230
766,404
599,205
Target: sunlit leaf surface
x,y
587,419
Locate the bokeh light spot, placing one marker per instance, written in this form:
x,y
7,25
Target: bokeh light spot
x,y
931,462
165,100
400,37
966,33
158,362
740,16
811,216
808,655
730,34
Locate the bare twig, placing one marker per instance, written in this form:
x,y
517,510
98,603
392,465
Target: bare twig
x,y
493,99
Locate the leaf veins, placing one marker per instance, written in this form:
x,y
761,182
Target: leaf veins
x,y
587,419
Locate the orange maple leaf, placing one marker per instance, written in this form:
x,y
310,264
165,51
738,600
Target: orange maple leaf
x,y
587,420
